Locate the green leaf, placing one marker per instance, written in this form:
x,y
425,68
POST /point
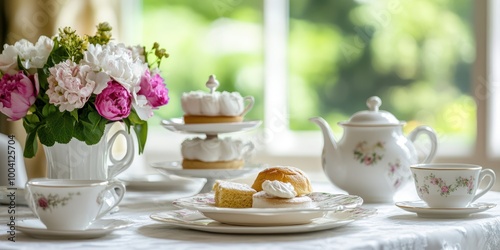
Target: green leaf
x,y
31,145
58,128
74,113
134,118
141,131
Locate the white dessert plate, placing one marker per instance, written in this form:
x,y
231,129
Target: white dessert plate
x,y
329,221
158,182
322,203
422,210
177,125
175,168
36,229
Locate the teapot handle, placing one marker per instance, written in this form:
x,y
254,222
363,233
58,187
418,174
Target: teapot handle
x,y
432,136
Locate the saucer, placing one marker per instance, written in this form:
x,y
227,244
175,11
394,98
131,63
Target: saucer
x,y
36,229
322,203
331,220
177,125
422,210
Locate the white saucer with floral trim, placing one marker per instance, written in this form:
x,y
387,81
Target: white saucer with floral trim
x,y
36,229
322,203
422,210
191,219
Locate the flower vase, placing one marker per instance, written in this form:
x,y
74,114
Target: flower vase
x,y
79,161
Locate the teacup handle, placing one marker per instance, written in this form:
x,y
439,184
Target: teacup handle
x,y
29,197
120,165
432,136
249,106
484,173
117,196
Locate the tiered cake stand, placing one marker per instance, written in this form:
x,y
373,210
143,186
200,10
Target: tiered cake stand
x,y
211,130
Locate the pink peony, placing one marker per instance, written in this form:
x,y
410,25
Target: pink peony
x,y
17,93
68,85
153,88
114,102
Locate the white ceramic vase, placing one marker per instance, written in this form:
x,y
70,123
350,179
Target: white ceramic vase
x,y
78,161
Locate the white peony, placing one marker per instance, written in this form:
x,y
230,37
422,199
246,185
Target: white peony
x,y
116,61
32,55
68,85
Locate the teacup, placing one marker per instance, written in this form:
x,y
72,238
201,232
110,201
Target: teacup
x,y
63,204
450,185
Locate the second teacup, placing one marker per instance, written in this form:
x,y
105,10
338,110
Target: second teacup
x,y
450,185
72,204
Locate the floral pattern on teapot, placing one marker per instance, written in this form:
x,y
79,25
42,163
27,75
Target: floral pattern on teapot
x,y
445,189
369,155
397,174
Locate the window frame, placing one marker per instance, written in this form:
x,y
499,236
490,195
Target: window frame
x,y
278,144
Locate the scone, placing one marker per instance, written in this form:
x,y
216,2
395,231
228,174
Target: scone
x,y
292,175
233,195
215,107
215,153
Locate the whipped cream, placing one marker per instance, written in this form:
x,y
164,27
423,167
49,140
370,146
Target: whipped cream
x,y
216,149
212,104
279,189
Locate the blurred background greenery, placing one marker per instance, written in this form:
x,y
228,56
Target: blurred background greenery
x,y
416,55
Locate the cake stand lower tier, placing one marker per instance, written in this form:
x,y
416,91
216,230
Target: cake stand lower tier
x,y
212,175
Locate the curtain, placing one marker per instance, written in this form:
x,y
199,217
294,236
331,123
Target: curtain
x,y
29,19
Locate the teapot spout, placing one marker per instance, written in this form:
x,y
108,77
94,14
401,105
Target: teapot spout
x,y
330,145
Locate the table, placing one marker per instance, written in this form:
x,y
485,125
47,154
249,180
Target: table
x,y
390,228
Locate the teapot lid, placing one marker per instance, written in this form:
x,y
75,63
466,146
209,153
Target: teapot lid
x,y
373,116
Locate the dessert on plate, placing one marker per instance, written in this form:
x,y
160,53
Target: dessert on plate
x,y
275,187
233,194
215,153
215,107
277,194
296,177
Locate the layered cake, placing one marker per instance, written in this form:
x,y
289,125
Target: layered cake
x,y
233,195
285,174
215,153
214,107
277,194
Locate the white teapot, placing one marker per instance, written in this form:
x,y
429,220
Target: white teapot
x,y
373,157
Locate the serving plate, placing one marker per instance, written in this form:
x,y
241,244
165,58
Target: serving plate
x,y
322,203
184,218
177,125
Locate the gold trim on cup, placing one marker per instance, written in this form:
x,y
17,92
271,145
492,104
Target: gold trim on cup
x,y
79,183
449,166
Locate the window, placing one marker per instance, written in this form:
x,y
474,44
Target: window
x,y
325,58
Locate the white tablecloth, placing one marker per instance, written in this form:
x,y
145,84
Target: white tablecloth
x,y
390,228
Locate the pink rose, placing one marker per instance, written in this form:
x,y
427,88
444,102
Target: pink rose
x,y
444,189
43,203
153,88
17,93
114,102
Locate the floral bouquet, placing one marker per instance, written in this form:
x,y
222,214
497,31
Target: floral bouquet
x,y
71,86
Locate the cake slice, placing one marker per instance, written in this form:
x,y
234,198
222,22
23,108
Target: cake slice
x,y
233,195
